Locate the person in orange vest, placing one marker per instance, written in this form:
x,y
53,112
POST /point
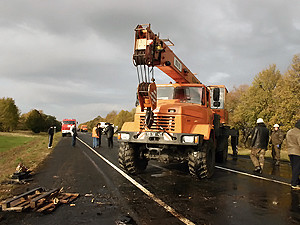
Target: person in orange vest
x,y
95,137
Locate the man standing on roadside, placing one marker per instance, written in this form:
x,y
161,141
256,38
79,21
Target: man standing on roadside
x,y
74,135
234,142
110,134
51,133
276,141
293,145
99,133
259,144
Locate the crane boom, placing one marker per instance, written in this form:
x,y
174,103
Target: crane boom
x,y
152,51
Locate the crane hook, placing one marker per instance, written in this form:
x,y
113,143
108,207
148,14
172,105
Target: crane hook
x,y
149,117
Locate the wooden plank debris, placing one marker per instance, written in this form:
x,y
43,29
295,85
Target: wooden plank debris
x,y
38,200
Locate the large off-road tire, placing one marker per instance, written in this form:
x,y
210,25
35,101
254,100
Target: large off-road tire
x,y
131,159
202,163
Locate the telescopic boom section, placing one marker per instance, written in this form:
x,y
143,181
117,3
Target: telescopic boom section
x,y
152,51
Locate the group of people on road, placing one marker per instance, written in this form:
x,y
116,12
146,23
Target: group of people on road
x,y
260,142
96,135
97,132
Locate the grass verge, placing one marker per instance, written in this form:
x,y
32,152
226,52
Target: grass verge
x,y
245,151
30,149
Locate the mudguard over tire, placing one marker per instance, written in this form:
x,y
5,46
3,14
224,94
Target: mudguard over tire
x,y
202,163
131,159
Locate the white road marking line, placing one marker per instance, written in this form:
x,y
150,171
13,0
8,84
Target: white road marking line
x,y
142,188
251,175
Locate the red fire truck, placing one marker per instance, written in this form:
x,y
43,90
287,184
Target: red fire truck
x,y
66,126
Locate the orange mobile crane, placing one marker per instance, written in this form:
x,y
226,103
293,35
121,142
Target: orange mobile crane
x,y
172,121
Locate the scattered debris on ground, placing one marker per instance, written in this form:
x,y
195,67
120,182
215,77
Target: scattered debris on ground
x,y
38,200
125,220
21,174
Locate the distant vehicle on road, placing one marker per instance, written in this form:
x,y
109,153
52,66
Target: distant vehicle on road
x,y
103,125
83,128
66,126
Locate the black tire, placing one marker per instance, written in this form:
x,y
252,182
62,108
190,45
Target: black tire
x,y
202,163
63,135
131,159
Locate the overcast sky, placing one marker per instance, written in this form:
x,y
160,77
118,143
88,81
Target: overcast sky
x,y
73,59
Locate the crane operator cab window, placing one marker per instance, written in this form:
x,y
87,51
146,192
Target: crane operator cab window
x,y
184,94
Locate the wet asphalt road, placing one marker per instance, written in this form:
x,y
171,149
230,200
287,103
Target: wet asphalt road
x,y
227,198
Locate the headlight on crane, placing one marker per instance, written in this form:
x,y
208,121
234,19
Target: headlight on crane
x,y
123,136
188,139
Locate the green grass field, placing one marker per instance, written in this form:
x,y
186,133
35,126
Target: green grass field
x,y
9,142
26,147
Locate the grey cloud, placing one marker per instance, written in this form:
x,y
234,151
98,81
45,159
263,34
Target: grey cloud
x,y
69,56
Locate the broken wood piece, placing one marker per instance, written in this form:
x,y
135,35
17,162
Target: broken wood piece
x,y
38,200
41,198
6,204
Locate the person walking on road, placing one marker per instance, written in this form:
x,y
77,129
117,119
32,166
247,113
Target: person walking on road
x,y
95,137
234,142
99,133
259,144
293,146
277,137
51,133
110,134
74,135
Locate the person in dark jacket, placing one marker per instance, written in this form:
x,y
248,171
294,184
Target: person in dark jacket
x,y
293,146
74,135
234,133
259,144
110,134
276,140
99,133
51,133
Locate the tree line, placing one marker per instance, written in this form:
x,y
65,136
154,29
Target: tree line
x,y
35,120
273,96
118,119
